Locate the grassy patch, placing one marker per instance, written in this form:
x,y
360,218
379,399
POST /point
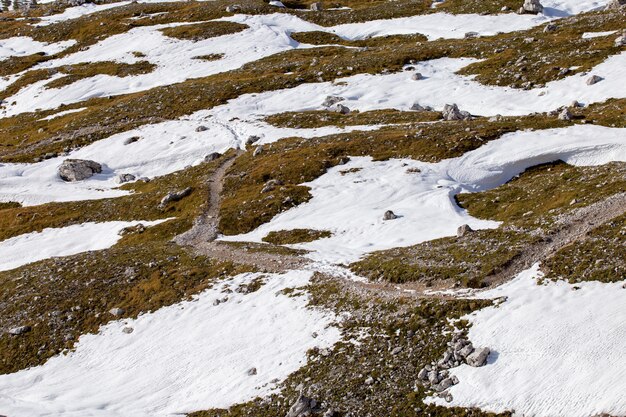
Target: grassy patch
x,y
451,261
336,377
542,193
287,237
117,69
204,30
600,257
313,119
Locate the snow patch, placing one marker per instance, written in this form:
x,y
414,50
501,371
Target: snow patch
x,y
52,242
189,356
556,351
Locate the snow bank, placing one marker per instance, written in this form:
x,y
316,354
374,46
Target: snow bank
x,y
189,356
352,205
64,241
23,45
556,351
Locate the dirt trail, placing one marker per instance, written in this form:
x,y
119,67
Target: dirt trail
x,y
201,237
571,227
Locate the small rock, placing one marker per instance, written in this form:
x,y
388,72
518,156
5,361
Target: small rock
x,y
116,311
251,371
471,35
78,169
594,79
417,76
303,407
212,156
128,330
174,196
433,377
621,40
131,140
16,331
389,215
396,350
565,115
252,139
422,374
369,381
452,112
122,178
257,151
550,27
201,129
478,357
271,185
234,8
332,100
446,383
341,109
463,230
216,302
316,7
531,7
466,351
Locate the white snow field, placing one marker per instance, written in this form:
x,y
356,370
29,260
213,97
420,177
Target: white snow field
x,y
556,351
189,356
23,45
352,205
51,242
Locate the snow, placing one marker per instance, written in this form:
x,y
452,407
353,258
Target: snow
x,y
590,35
23,45
185,357
556,351
51,242
351,206
63,113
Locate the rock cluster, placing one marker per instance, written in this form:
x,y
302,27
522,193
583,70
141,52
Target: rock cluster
x,y
308,407
78,169
615,4
436,376
452,112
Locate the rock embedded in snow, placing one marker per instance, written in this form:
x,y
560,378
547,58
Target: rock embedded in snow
x,y
122,178
417,76
464,230
452,112
16,331
78,169
201,128
252,372
332,100
594,79
252,139
478,357
531,7
389,215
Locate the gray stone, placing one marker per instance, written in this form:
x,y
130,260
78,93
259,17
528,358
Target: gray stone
x,y
303,407
466,351
252,139
433,377
257,151
565,115
550,27
271,185
251,371
212,156
201,129
389,215
341,109
464,230
417,76
369,380
78,169
471,35
396,350
531,7
16,331
116,311
174,196
452,112
233,8
422,374
127,330
122,178
332,100
478,357
446,383
316,7
594,79
621,40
